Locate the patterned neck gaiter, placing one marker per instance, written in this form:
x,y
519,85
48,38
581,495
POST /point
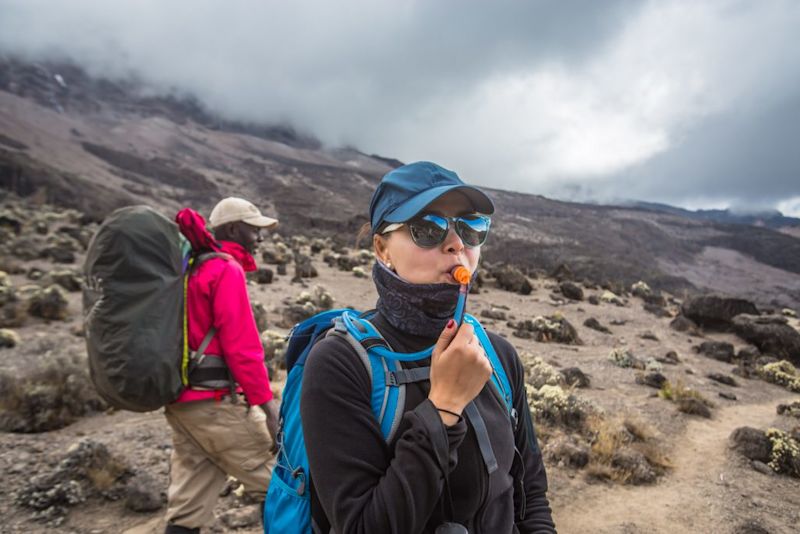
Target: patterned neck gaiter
x,y
418,309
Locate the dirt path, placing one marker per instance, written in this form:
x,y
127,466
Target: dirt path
x,y
689,499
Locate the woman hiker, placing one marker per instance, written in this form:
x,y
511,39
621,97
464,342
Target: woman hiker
x,y
457,462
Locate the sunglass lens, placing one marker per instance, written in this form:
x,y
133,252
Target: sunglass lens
x,y
428,230
473,230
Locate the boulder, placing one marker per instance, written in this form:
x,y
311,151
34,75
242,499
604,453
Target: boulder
x,y
718,350
143,493
512,279
574,377
716,311
634,465
494,313
723,379
654,379
303,268
682,323
670,358
262,275
260,315
770,334
694,406
571,291
568,452
751,443
8,339
49,303
68,279
594,324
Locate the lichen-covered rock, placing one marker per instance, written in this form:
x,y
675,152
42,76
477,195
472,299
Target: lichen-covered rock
x,y
87,470
8,338
49,303
274,344
359,272
552,404
785,455
49,398
641,289
610,298
623,357
539,373
553,328
781,373
791,409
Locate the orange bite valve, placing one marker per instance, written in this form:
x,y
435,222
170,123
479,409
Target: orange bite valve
x,y
461,274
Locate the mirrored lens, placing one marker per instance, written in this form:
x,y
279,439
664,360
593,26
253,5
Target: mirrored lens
x,y
428,230
473,229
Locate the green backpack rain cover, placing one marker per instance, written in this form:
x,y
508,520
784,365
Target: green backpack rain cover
x,y
133,305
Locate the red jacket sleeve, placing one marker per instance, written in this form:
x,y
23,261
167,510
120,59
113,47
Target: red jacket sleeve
x,y
238,336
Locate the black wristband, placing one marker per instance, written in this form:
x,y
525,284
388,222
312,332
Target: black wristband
x,y
460,417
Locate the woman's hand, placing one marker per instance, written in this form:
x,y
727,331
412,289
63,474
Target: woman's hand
x,y
459,370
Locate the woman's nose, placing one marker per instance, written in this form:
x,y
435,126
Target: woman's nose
x,y
452,243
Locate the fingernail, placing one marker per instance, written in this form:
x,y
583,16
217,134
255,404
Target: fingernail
x,y
450,324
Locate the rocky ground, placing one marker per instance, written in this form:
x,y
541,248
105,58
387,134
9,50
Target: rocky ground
x,y
637,412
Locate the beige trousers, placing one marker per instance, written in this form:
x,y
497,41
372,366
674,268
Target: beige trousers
x,y
212,440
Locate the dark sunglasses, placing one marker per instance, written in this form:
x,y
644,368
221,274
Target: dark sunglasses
x,y
429,230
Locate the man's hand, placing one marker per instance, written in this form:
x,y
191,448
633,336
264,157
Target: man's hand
x,y
273,417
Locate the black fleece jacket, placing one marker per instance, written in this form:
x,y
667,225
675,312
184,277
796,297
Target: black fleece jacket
x,y
361,484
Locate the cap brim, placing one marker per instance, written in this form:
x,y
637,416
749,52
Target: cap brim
x,y
261,221
411,207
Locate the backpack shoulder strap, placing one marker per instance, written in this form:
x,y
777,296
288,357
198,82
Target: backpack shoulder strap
x,y
499,377
387,377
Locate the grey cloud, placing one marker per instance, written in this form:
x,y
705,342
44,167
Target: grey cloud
x,y
404,78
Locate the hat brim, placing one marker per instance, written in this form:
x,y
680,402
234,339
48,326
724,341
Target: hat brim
x,y
411,207
261,221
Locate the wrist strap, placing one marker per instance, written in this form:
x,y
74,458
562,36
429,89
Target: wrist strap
x,y
460,417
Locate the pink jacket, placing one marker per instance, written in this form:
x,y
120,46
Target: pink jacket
x,y
217,295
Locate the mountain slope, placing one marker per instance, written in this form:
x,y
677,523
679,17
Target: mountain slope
x,y
69,139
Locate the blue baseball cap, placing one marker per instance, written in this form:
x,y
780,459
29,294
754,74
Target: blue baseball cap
x,y
405,191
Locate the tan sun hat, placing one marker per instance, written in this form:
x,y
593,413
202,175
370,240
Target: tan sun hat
x,y
234,209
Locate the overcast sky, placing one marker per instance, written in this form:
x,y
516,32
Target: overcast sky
x,y
689,102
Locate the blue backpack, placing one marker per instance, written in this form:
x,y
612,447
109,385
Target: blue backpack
x,y
287,508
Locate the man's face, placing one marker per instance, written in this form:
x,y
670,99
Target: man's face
x,y
248,236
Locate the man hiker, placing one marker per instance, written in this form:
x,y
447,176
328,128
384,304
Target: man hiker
x,y
226,421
